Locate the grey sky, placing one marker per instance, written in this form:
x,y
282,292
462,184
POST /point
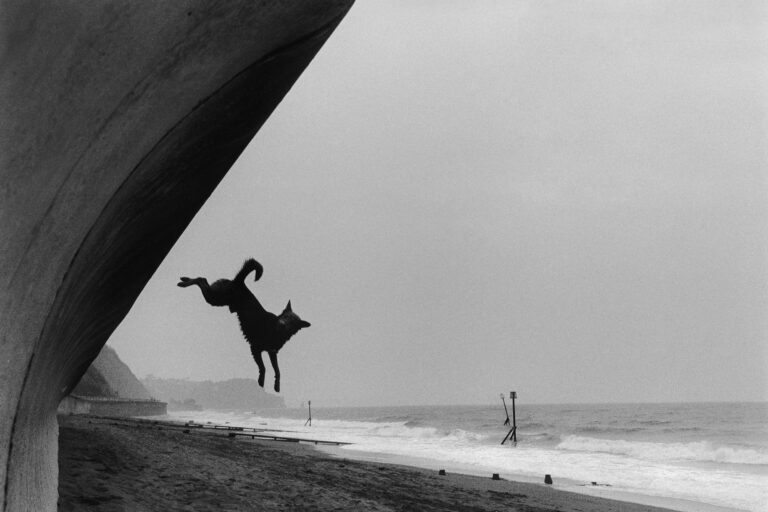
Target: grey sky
x,y
568,199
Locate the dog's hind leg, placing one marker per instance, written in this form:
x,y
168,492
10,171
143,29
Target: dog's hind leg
x,y
273,360
256,353
217,294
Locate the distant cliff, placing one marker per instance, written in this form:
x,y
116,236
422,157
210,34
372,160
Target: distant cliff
x,y
109,388
233,394
108,376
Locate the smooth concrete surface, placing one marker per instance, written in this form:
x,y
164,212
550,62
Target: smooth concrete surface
x,y
117,120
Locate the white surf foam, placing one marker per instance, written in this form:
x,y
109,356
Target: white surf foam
x,y
636,467
698,451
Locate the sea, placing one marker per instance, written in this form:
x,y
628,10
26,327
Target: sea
x,y
687,456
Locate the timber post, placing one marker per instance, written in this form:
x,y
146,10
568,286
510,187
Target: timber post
x,y
512,434
309,420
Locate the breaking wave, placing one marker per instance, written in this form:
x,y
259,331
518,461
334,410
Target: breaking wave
x,y
702,451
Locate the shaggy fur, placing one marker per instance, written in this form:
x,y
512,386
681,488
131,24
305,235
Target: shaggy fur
x,y
264,331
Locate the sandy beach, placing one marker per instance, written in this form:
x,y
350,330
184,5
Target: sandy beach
x,y
111,465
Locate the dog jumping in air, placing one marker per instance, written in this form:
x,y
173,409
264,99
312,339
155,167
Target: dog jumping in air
x,y
264,331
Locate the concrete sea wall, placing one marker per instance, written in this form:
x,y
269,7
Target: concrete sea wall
x,y
118,119
122,407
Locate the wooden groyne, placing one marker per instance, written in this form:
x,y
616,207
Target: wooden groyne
x,y
269,437
233,432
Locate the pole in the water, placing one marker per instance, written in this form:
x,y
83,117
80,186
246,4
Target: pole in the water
x,y
512,434
506,422
513,395
309,420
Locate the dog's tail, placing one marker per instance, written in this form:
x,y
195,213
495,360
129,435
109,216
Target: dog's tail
x,y
249,266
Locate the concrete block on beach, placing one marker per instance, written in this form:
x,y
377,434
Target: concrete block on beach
x,y
119,119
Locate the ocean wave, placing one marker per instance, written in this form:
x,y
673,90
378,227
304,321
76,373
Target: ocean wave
x,y
458,434
533,425
406,418
601,429
671,430
400,430
701,451
652,423
538,437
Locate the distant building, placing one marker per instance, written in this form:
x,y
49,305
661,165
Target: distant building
x,y
227,395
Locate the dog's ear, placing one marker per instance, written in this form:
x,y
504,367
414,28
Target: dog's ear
x,y
304,324
288,307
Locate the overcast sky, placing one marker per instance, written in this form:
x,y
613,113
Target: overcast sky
x,y
568,199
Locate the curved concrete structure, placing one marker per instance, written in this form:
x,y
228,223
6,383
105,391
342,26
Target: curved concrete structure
x,y
117,120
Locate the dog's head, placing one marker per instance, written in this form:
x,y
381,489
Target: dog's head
x,y
289,322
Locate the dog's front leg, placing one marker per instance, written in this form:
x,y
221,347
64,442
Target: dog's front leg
x,y
256,353
273,359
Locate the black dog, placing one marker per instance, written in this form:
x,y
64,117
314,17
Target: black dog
x,y
264,331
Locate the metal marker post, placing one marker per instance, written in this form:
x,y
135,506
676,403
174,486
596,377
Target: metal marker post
x,y
512,434
513,395
309,421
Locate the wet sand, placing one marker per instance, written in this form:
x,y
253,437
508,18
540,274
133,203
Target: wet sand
x,y
116,465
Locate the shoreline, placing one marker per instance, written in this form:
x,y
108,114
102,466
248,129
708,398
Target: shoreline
x,y
624,481
132,464
559,484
